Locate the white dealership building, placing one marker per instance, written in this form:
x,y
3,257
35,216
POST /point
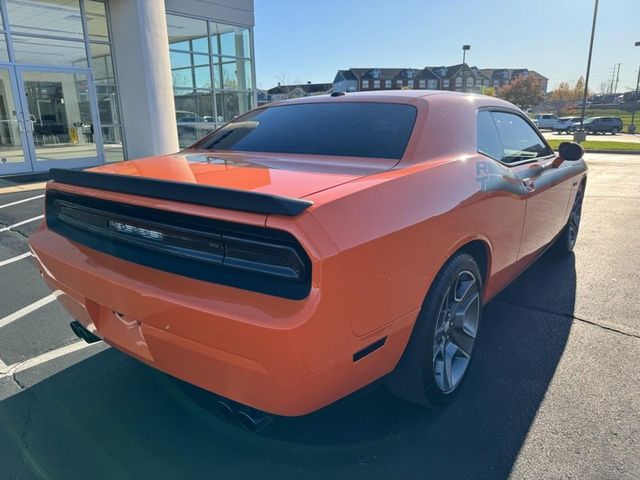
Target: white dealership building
x,y
87,82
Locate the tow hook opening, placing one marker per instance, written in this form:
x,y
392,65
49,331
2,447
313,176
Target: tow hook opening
x,y
81,332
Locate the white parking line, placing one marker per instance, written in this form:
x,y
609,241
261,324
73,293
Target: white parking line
x,y
14,259
4,229
9,370
28,309
18,202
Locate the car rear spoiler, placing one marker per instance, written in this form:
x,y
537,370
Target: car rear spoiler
x,y
218,197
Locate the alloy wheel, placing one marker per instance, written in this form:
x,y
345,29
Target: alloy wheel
x,y
574,218
456,330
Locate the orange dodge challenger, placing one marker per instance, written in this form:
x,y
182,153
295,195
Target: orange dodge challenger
x,y
311,247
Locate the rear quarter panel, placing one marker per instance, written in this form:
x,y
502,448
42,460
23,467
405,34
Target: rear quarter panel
x,y
395,231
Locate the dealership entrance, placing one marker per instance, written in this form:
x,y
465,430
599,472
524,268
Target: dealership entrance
x,y
58,90
47,119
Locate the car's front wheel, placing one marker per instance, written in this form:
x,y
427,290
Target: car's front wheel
x,y
441,346
567,239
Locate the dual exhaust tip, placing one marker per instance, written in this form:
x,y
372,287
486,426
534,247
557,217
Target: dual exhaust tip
x,y
251,419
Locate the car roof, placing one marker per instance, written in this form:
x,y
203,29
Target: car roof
x,y
391,96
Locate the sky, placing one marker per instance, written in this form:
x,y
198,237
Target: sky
x,y
305,40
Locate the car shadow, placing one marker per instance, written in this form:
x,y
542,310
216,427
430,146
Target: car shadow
x,y
111,417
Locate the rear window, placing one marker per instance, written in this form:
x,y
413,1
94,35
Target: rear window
x,y
378,130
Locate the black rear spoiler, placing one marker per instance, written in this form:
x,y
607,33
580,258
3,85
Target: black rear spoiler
x,y
226,198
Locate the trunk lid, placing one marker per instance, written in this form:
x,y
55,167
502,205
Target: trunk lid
x,y
295,176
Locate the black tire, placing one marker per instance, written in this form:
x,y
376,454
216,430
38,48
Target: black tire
x,y
566,241
614,131
415,378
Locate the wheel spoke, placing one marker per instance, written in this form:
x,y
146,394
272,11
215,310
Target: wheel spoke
x,y
464,288
466,314
449,352
463,341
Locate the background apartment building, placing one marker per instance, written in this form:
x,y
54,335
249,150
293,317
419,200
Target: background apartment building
x,y
460,78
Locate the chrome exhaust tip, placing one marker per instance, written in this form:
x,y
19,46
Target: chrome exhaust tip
x,y
253,420
83,333
225,410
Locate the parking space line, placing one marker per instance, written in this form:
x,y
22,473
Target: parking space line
x,y
28,309
14,259
23,222
18,202
3,367
10,370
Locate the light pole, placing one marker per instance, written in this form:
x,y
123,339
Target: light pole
x,y
632,125
580,136
464,52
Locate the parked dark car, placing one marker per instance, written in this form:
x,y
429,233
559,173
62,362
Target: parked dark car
x,y
612,125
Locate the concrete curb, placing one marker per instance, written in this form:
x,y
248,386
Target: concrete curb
x,y
617,152
23,188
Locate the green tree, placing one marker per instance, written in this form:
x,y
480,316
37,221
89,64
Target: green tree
x,y
523,91
565,96
489,91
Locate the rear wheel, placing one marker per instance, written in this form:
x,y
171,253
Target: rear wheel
x,y
441,346
614,131
569,235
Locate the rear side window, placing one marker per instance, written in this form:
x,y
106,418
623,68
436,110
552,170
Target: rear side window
x,y
489,142
519,140
359,129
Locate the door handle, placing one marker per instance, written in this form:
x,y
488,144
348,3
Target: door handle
x,y
529,184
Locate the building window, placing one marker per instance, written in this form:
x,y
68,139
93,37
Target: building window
x,y
423,83
409,73
445,83
365,83
387,84
410,83
376,84
212,73
399,83
458,81
486,82
433,84
469,82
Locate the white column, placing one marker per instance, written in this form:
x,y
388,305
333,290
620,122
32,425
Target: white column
x,y
141,53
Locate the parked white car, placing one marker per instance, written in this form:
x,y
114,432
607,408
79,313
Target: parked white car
x,y
566,124
544,120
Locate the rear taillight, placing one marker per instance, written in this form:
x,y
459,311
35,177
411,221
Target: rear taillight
x,y
255,258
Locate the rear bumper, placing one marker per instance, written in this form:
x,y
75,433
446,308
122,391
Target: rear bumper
x,y
282,356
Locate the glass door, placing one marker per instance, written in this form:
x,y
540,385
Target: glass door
x,y
59,118
14,153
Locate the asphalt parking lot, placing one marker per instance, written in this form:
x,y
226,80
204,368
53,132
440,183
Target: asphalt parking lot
x,y
554,392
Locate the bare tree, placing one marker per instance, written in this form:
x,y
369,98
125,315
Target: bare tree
x,y
285,79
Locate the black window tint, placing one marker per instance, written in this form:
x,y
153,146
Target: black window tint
x,y
379,130
519,140
488,140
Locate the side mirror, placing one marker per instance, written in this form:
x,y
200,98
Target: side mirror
x,y
570,151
